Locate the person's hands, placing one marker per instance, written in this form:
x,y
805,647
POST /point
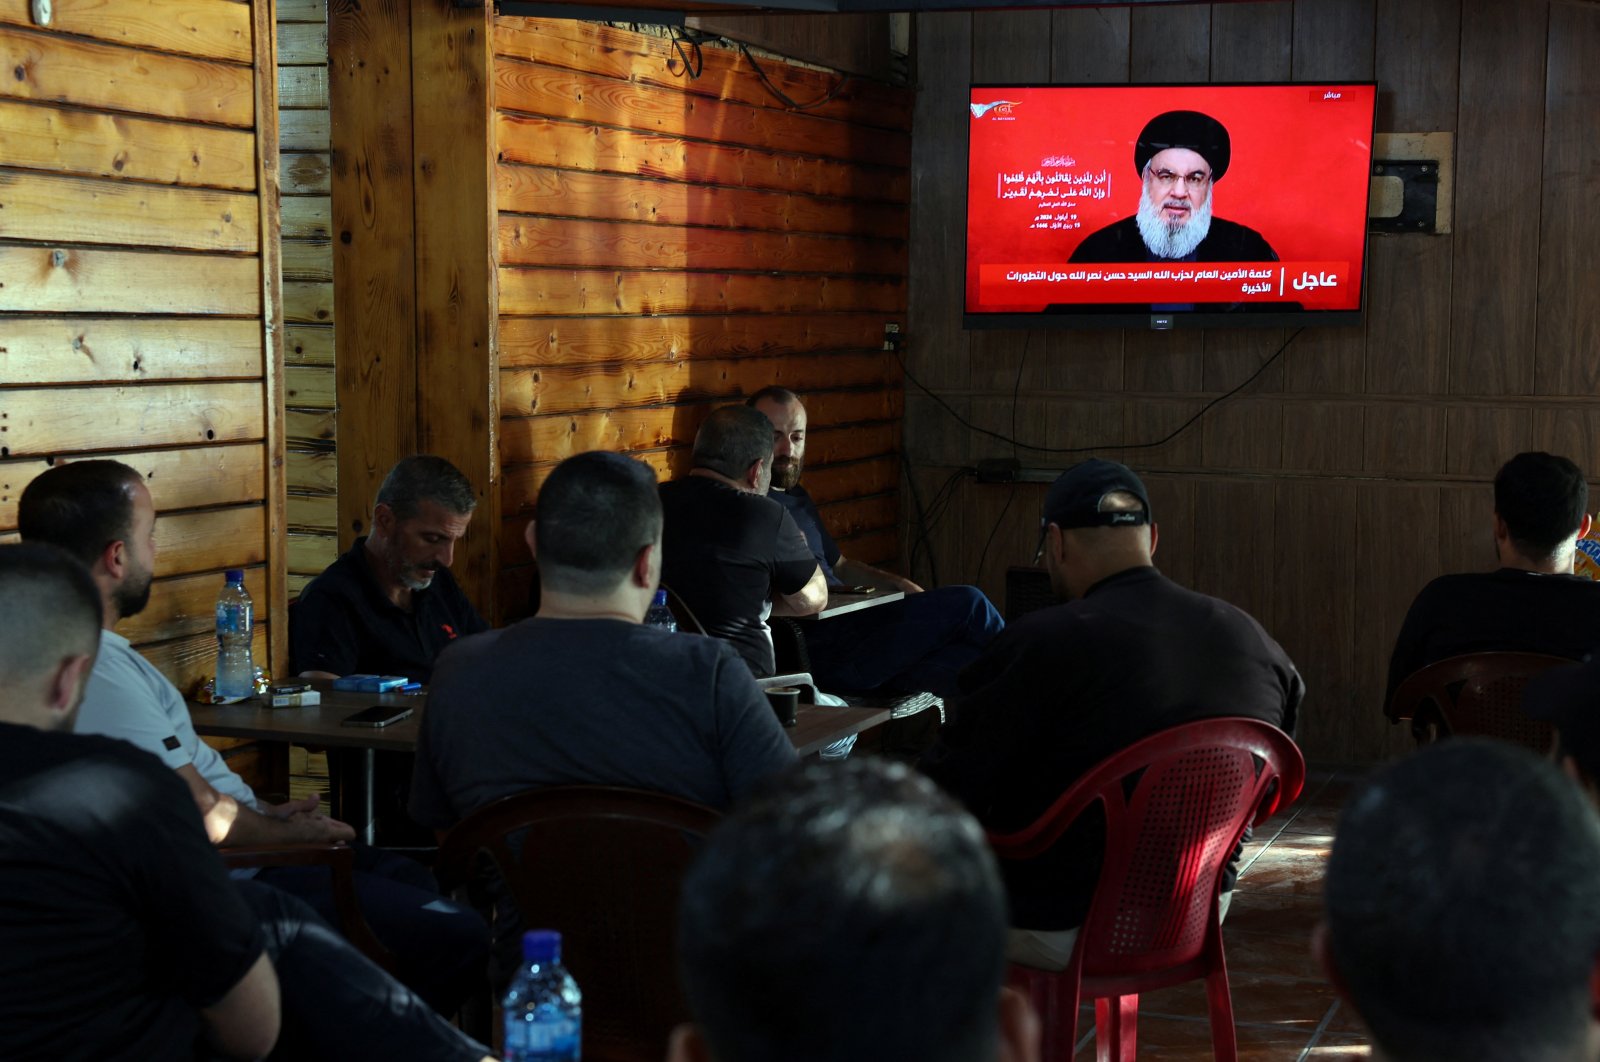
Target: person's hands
x,y
904,584
314,826
291,808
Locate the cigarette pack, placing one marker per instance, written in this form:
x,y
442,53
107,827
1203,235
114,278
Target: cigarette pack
x,y
294,700
369,683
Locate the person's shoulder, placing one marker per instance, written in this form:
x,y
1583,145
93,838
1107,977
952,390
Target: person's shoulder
x,y
97,772
1239,239
341,579
1108,244
495,647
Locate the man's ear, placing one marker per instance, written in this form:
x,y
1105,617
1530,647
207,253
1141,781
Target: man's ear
x,y
114,559
383,518
1155,536
1019,1028
687,1045
531,539
752,475
646,572
1583,528
67,681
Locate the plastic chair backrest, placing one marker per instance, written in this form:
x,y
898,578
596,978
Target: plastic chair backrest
x,y
604,865
1477,693
1176,806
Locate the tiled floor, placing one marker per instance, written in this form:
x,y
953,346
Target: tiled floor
x,y
1284,1009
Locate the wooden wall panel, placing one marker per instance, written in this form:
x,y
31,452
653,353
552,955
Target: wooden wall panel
x,y
139,290
307,247
668,245
1356,468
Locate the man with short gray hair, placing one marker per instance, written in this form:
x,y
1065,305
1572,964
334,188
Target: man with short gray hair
x,y
389,604
733,555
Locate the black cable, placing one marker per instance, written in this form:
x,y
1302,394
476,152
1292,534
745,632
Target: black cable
x,y
1016,390
931,517
829,97
1173,434
691,67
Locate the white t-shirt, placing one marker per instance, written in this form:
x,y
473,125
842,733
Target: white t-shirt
x,y
128,698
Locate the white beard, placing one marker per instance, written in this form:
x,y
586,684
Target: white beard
x,y
1172,239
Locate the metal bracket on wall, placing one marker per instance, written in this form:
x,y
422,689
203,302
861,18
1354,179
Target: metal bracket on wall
x,y
1412,192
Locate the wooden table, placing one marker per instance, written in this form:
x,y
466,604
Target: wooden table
x,y
816,726
840,603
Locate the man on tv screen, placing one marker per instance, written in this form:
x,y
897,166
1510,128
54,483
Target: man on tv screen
x,y
1179,156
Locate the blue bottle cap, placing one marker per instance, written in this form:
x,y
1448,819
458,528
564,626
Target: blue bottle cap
x,y
541,945
661,598
234,575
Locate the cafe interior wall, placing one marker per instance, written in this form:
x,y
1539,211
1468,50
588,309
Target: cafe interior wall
x,y
548,237
1358,466
139,288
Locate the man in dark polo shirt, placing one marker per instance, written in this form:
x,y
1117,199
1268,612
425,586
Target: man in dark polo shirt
x,y
731,554
389,604
920,642
1533,603
1128,653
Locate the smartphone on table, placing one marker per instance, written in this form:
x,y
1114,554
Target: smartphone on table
x,y
377,715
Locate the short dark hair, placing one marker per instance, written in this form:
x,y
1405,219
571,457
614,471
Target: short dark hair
x,y
840,888
773,393
1542,498
732,439
80,506
596,512
49,610
424,477
1463,904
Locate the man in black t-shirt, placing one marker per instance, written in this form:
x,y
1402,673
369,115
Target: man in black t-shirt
x,y
389,604
731,554
120,935
1127,654
1533,602
920,642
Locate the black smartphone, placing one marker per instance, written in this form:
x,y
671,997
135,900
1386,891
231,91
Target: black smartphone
x,y
377,715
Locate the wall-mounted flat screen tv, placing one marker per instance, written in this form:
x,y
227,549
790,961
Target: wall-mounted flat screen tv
x,y
1167,205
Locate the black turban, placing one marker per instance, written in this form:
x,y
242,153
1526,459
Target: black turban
x,y
1200,133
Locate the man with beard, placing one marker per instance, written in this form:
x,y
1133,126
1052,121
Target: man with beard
x,y
101,513
920,642
389,604
1179,157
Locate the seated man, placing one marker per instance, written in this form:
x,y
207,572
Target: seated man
x,y
1129,653
1462,916
102,513
921,642
120,933
733,556
849,913
389,604
1532,603
583,692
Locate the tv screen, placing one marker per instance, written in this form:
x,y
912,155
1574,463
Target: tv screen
x,y
1163,205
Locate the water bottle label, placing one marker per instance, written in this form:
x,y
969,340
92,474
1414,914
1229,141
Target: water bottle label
x,y
543,1041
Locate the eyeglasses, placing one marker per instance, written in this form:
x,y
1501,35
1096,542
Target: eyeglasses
x,y
1192,181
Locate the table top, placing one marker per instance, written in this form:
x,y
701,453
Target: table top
x,y
815,725
840,602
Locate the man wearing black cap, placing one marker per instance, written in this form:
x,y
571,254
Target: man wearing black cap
x,y
1179,156
1127,653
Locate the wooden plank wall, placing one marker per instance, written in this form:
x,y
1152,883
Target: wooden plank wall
x,y
1356,468
138,218
669,244
309,394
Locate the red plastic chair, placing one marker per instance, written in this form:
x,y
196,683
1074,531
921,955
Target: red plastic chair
x,y
1153,921
1477,693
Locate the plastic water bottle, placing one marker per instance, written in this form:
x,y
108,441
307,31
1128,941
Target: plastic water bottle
x,y
236,672
660,615
544,1009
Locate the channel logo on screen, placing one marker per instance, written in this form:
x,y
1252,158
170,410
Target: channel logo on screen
x,y
1001,108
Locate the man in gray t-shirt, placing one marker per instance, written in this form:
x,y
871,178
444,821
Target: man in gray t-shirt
x,y
583,693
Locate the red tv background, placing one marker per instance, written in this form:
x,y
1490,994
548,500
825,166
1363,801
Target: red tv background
x,y
1298,175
